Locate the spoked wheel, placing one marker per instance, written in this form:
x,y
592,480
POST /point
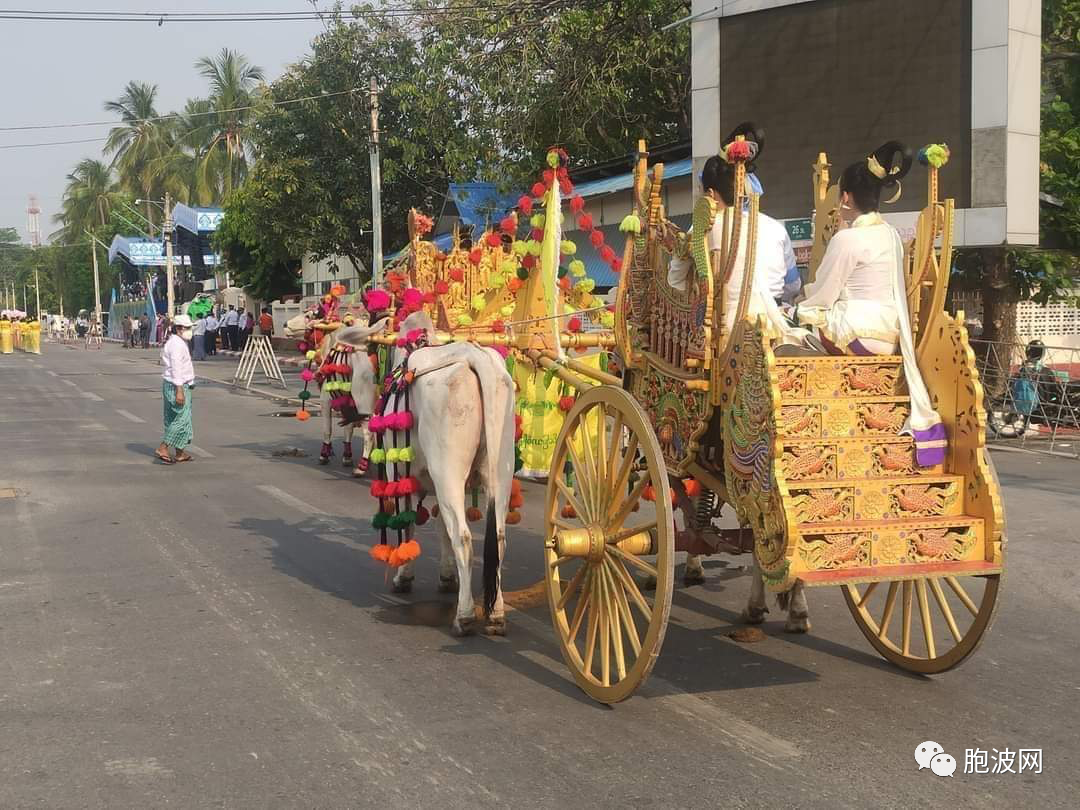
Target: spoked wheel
x,y
926,625
609,631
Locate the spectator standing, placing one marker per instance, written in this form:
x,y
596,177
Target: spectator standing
x,y
125,330
212,325
198,339
266,322
231,328
247,326
134,332
144,330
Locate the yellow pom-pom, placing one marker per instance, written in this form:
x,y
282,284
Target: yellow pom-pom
x,y
586,285
577,267
568,247
507,311
478,301
553,159
464,320
310,355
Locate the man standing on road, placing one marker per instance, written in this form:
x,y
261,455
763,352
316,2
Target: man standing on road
x,y
178,381
266,322
211,334
144,330
134,332
125,330
231,324
198,339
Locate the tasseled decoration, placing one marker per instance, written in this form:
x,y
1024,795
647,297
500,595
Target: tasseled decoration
x,y
381,552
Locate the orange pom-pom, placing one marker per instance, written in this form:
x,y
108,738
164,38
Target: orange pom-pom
x,y
303,416
395,560
381,552
473,513
515,486
516,501
513,518
569,512
408,551
692,487
514,284
648,493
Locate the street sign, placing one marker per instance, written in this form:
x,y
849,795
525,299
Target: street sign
x,y
799,230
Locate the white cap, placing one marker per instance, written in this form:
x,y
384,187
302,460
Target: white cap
x,y
183,321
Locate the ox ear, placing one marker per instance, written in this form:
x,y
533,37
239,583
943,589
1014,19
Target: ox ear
x,y
377,327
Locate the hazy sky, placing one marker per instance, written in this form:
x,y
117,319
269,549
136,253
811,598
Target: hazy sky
x,y
62,72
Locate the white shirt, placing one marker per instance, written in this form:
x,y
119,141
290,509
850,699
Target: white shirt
x,y
780,259
211,323
858,266
232,318
176,360
200,327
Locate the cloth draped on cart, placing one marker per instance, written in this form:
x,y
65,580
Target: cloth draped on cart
x,y
179,431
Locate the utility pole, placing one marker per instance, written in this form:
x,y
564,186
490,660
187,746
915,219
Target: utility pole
x,y
376,188
167,229
37,294
97,278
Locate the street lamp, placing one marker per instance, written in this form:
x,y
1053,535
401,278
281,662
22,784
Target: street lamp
x,y
166,230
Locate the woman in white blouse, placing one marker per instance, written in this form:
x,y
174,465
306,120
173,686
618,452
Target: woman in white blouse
x,y
178,379
857,304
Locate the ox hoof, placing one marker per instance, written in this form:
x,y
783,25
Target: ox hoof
x,y
464,626
346,461
448,584
797,624
403,585
324,460
648,583
753,615
358,473
496,626
693,576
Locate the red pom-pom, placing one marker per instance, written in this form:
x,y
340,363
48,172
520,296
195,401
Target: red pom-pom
x,y
566,188
407,486
536,234
381,552
457,274
562,173
574,324
516,501
616,265
513,518
566,403
525,204
429,298
692,487
564,283
738,150
391,489
473,513
606,253
538,190
378,489
475,255
585,222
493,239
422,515
498,327
508,224
577,204
441,287
549,177
528,261
648,493
597,238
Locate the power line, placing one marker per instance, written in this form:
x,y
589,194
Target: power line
x,y
171,116
51,143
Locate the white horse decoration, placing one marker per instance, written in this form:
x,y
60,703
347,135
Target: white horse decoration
x,y
454,427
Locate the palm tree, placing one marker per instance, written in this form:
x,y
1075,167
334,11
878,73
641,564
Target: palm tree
x,y
233,81
90,195
139,142
179,168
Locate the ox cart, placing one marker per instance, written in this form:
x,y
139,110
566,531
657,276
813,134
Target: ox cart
x,y
806,450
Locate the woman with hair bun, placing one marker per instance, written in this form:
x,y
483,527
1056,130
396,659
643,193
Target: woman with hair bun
x,y
857,304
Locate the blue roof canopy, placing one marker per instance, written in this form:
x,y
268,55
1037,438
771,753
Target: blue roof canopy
x,y
196,220
621,182
478,203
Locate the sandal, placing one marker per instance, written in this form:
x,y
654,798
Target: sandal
x,y
182,457
165,459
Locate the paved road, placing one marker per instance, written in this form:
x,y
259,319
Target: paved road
x,y
215,635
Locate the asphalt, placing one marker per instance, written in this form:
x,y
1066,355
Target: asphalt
x,y
214,634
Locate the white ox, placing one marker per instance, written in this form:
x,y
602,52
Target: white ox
x,y
462,401
298,327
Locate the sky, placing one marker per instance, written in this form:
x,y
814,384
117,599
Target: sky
x,y
63,72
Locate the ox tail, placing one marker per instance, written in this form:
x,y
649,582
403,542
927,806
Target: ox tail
x,y
783,599
491,560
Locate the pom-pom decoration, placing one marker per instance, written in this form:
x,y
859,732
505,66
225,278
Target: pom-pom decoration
x,y
566,403
692,487
631,224
738,151
538,190
513,518
441,287
380,553
577,204
508,224
553,159
376,300
476,255
525,204
464,320
568,247
303,415
935,155
457,274
597,238
493,239
537,221
473,513
577,268
306,375
338,290
412,299
585,222
508,310
310,355
548,176
574,324
527,263
478,302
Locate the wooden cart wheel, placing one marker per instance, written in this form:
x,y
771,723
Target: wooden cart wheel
x,y
609,631
927,624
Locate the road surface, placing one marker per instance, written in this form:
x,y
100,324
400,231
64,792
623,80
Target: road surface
x,y
215,634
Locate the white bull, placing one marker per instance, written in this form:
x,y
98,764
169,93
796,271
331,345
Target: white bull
x,y
297,326
462,401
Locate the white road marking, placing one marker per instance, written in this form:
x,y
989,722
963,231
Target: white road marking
x,y
92,396
69,382
198,451
52,373
130,416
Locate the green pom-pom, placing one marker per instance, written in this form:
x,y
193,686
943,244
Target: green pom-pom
x,y
562,272
406,455
523,273
380,521
464,320
507,311
577,267
568,247
304,395
520,247
534,247
585,285
478,301
631,224
378,456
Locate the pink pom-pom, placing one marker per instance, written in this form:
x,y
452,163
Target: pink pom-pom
x,y
306,375
536,234
377,424
302,346
412,299
504,351
402,420
414,335
376,300
525,204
